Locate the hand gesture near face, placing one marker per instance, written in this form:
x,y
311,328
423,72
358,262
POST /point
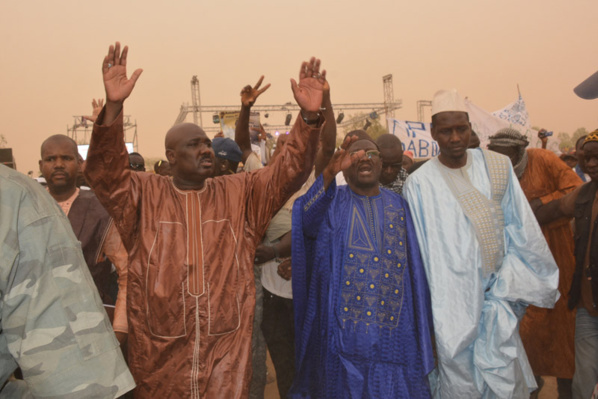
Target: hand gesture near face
x,y
309,91
342,159
114,69
250,94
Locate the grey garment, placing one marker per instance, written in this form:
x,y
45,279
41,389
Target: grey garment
x,y
586,354
397,185
522,164
258,342
53,325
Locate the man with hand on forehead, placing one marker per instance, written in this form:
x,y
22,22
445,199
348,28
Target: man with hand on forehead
x,y
485,259
362,310
191,303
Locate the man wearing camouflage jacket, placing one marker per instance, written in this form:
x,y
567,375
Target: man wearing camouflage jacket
x,y
52,324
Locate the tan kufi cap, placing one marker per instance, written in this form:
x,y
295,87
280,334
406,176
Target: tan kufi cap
x,y
447,100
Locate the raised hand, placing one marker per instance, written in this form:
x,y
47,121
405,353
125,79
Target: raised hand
x,y
342,159
250,94
309,91
97,106
114,69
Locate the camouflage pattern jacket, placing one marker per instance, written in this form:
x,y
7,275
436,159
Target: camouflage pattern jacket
x,y
53,325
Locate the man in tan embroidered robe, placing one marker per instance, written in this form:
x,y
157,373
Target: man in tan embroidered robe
x,y
191,242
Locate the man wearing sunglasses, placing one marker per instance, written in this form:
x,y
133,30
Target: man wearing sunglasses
x,y
361,300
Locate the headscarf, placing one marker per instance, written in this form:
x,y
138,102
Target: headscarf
x,y
509,137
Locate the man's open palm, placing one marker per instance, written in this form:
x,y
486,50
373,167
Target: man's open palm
x,y
309,91
114,70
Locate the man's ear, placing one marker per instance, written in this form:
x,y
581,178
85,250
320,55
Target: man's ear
x,y
170,156
40,165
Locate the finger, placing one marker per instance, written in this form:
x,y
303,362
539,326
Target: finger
x,y
303,70
339,154
94,103
123,57
259,82
323,76
116,53
108,59
263,89
316,69
136,75
357,156
347,142
346,163
294,86
310,67
101,102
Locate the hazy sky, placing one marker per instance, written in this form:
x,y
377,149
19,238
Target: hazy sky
x,y
52,53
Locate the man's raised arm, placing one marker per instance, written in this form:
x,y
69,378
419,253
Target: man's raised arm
x,y
107,160
248,96
272,186
328,136
118,87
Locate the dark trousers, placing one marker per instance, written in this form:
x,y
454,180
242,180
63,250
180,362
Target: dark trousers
x,y
278,327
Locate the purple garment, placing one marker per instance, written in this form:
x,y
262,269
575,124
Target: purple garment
x,y
362,307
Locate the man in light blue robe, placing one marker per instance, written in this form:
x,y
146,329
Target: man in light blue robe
x,y
485,259
362,307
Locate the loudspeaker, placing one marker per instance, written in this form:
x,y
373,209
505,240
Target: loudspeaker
x,y
6,157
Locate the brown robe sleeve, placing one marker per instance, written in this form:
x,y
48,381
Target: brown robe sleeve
x,y
558,171
273,185
107,172
567,203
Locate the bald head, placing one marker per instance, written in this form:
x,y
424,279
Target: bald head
x,y
190,155
181,132
388,140
62,141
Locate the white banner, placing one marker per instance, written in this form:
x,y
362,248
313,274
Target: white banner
x,y
415,137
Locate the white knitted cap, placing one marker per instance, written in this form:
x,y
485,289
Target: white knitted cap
x,y
447,100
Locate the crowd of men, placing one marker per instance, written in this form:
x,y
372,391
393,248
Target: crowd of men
x,y
363,273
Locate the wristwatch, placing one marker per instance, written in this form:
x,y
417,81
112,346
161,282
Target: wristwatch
x,y
311,121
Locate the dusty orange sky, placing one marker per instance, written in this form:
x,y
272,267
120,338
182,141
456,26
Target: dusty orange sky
x,y
52,52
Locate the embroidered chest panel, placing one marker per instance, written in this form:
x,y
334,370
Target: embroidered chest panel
x,y
371,285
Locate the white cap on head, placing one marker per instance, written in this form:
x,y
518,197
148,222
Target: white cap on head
x,y
446,101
